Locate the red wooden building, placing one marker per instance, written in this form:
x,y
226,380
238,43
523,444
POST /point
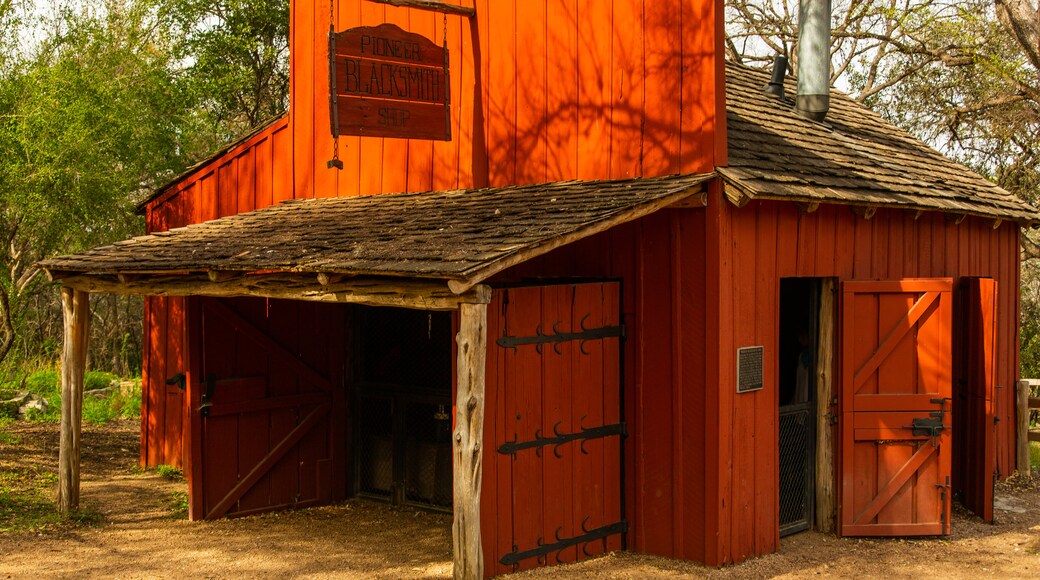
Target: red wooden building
x,y
710,319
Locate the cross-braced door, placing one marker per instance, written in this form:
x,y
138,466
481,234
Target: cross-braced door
x,y
896,408
266,416
553,427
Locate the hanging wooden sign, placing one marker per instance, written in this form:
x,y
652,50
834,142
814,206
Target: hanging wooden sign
x,y
387,82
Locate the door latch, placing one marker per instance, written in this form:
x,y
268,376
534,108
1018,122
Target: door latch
x,y
931,426
207,397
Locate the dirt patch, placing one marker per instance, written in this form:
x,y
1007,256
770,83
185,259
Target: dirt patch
x,y
138,536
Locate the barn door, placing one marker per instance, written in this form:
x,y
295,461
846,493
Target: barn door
x,y
896,408
974,427
552,484
264,408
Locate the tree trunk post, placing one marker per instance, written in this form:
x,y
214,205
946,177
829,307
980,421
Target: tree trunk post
x,y
1023,428
469,431
825,488
75,307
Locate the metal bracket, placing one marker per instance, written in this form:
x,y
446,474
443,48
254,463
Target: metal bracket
x,y
559,336
511,447
515,557
179,380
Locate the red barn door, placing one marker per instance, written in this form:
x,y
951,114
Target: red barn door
x,y
974,428
552,428
267,406
896,408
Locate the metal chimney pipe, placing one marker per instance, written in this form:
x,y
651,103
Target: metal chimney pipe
x,y
814,58
776,83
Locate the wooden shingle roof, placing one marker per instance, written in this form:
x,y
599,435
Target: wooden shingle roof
x,y
855,157
457,235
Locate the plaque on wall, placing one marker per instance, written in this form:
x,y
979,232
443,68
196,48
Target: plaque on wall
x,y
749,368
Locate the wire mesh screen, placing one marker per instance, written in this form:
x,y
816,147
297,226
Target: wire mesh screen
x,y
428,454
404,408
797,453
376,453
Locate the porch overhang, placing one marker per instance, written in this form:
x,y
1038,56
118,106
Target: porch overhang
x,y
421,250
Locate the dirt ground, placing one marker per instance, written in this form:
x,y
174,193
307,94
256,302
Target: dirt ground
x,y
140,537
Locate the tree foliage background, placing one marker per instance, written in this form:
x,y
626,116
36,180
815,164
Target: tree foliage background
x,y
962,75
100,101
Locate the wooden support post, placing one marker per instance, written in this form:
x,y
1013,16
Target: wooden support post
x,y
1022,404
825,488
75,307
468,436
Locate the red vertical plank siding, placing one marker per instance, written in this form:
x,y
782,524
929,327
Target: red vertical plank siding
x,y
766,456
594,82
174,397
303,98
662,54
562,78
654,388
281,166
627,97
531,105
744,443
698,139
246,181
263,194
445,163
502,92
326,179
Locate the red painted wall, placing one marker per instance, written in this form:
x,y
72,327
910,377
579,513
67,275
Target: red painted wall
x,y
765,241
660,261
541,91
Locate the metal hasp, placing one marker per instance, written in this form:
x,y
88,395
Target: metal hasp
x,y
931,426
814,59
559,336
178,380
515,557
511,447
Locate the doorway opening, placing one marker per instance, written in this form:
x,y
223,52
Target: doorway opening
x,y
797,361
403,413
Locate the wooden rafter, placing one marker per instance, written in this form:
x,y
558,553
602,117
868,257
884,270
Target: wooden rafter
x,y
405,293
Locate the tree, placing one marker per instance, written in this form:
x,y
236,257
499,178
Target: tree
x,y
975,62
88,120
236,57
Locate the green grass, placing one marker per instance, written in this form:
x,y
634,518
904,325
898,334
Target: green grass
x,y
46,383
169,472
179,505
1034,456
5,437
27,505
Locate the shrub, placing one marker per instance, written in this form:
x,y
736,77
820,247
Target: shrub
x,y
95,380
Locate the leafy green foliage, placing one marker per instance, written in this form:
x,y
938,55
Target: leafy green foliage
x,y
169,472
94,380
237,52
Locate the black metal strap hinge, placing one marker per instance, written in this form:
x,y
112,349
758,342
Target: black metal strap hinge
x,y
558,336
516,556
511,447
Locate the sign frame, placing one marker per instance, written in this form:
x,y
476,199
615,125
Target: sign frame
x,y
387,82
